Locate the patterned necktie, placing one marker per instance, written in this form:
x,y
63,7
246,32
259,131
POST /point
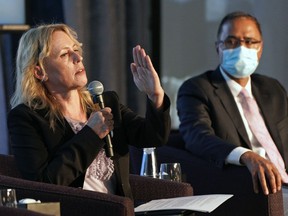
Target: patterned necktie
x,y
258,128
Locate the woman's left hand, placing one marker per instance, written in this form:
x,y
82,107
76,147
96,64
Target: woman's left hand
x,y
145,77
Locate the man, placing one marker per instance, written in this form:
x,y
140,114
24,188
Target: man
x,y
214,120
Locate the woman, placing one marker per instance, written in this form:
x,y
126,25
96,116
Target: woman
x,y
57,132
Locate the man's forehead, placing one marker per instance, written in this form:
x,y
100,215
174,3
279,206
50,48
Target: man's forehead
x,y
241,26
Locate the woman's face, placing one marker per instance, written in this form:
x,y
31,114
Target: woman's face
x,y
64,66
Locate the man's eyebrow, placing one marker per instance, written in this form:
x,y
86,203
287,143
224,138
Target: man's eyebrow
x,y
232,36
249,38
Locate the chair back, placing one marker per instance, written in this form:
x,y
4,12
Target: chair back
x,y
8,166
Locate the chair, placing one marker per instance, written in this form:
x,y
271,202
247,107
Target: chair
x,y
75,201
208,179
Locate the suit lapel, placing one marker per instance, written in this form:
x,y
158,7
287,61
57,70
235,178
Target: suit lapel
x,y
225,96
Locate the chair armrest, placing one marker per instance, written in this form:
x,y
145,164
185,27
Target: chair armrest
x,y
73,201
145,189
208,179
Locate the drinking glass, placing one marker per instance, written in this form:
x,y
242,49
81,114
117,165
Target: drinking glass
x,y
8,198
149,163
170,171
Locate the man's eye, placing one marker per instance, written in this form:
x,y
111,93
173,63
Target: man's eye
x,y
249,42
231,41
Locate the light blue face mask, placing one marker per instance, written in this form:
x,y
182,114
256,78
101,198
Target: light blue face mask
x,y
239,62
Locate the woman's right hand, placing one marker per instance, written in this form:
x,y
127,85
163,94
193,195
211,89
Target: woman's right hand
x,y
101,122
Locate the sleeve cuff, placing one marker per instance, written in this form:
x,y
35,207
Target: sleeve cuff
x,y
234,156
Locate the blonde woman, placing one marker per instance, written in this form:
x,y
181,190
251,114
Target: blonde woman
x,y
57,133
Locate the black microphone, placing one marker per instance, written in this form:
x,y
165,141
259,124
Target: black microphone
x,y
96,89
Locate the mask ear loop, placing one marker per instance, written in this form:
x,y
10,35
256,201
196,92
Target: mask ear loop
x,y
258,49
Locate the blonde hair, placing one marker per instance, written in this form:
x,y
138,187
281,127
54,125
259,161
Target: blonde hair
x,y
34,46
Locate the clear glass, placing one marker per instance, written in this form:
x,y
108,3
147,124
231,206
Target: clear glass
x,y
149,163
171,171
8,198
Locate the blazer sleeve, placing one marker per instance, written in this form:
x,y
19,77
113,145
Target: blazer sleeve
x,y
202,117
149,131
57,157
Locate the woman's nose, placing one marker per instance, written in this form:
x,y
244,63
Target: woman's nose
x,y
77,57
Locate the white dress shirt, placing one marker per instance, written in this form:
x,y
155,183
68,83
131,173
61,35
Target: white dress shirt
x,y
234,156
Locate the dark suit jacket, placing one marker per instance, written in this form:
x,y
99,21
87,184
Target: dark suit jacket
x,y
61,157
211,124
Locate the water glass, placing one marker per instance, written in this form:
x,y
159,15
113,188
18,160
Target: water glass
x,y
8,198
149,163
171,171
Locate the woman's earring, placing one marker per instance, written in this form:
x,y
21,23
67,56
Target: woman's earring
x,y
44,78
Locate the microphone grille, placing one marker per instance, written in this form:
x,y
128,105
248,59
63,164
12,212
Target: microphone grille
x,y
95,88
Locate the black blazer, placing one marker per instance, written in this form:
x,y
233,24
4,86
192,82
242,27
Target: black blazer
x,y
211,124
62,157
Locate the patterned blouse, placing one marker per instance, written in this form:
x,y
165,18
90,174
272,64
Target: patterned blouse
x,y
99,175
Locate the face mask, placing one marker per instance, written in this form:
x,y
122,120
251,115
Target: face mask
x,y
240,62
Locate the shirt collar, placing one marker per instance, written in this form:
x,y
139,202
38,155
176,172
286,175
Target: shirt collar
x,y
234,87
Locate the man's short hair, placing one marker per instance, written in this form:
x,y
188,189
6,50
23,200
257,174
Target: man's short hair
x,y
235,15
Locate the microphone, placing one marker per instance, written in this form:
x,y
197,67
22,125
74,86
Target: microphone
x,y
96,89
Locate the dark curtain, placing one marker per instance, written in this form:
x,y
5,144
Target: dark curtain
x,y
109,29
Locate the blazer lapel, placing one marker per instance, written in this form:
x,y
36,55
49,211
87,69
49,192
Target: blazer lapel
x,y
225,96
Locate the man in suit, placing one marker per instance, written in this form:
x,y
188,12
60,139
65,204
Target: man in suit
x,y
212,119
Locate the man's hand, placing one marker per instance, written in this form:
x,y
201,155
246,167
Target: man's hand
x,y
263,171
